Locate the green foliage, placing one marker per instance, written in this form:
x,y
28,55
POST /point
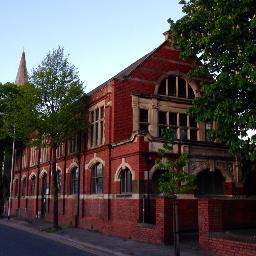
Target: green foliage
x,y
60,97
222,34
18,105
174,180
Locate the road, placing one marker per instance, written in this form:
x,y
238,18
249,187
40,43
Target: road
x,y
15,242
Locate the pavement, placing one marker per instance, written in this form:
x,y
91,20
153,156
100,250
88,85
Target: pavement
x,y
98,243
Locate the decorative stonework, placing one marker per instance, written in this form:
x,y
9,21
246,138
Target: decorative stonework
x,y
197,166
121,167
225,167
93,161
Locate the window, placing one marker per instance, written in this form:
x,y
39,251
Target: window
x,y
74,180
193,128
176,87
184,126
162,118
34,156
60,151
24,186
24,159
126,181
16,188
33,185
208,128
72,145
59,180
44,154
96,130
143,120
97,179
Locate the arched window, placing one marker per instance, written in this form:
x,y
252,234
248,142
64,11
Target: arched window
x,y
176,87
59,180
33,185
74,180
125,181
97,178
209,183
24,186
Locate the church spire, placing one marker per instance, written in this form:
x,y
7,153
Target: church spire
x,y
22,74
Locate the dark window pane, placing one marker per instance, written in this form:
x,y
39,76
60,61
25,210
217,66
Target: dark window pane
x,y
183,119
33,185
183,133
162,88
173,118
143,127
193,135
191,94
171,86
97,114
162,118
97,179
182,88
126,181
96,133
101,132
91,135
102,112
74,181
192,122
144,120
144,115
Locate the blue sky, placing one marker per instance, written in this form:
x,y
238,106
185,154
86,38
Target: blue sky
x,y
102,37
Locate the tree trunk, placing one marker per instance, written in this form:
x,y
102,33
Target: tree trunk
x,y
55,189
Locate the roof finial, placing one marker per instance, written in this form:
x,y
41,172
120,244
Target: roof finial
x,y
22,74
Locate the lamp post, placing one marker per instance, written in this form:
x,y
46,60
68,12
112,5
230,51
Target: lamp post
x,y
12,170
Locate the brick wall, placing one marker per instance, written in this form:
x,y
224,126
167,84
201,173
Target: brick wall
x,y
212,214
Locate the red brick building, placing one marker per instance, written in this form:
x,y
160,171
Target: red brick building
x,y
111,185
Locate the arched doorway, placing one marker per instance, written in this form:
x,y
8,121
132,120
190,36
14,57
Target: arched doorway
x,y
210,183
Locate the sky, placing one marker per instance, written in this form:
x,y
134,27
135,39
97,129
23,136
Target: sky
x,y
102,37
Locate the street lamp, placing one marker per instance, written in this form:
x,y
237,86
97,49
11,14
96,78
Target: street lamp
x,y
12,170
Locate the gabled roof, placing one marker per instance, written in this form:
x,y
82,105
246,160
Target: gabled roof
x,y
125,72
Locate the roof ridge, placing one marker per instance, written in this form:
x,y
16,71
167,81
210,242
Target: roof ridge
x,y
126,71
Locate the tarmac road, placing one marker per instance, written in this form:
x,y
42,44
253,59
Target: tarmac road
x,y
14,242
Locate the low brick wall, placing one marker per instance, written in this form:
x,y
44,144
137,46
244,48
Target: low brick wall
x,y
227,247
212,239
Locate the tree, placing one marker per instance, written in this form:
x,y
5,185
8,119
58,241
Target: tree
x,y
222,34
174,180
7,91
17,121
60,108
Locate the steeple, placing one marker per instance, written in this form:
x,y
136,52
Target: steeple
x,y
22,74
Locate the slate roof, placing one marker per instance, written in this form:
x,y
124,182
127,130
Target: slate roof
x,y
125,72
